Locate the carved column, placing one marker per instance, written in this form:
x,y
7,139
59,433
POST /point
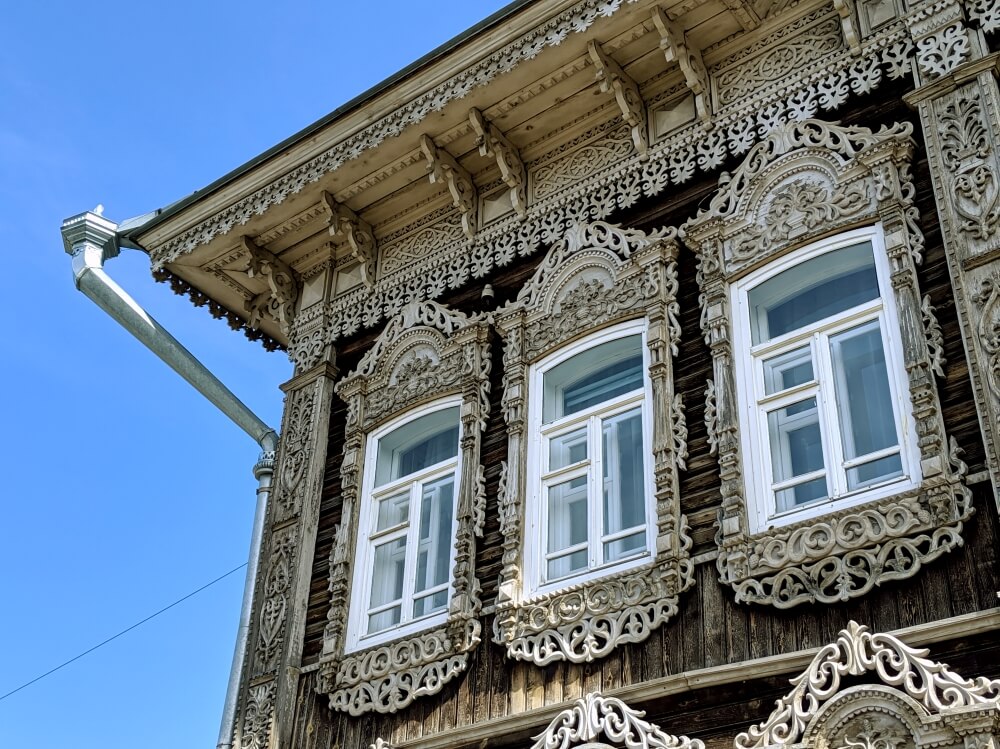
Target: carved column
x,y
271,671
959,105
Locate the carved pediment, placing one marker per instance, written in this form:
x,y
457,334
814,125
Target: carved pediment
x,y
911,701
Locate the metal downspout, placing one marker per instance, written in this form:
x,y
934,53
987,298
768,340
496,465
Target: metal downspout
x,y
92,239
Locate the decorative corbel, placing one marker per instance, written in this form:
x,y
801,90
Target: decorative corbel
x,y
848,22
613,79
282,292
443,167
346,224
493,143
744,12
674,43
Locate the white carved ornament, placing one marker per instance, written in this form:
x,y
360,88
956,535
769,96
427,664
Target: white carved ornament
x,y
594,717
804,181
597,275
858,652
426,352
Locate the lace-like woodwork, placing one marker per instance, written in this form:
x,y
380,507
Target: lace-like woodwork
x,y
804,181
598,275
425,353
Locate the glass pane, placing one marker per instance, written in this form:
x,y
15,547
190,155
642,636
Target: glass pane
x,y
434,542
796,444
567,565
593,376
383,620
567,449
801,494
624,489
568,514
864,402
416,445
430,604
621,548
881,469
387,578
813,290
393,511
788,370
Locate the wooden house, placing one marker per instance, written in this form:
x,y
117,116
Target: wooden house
x,y
647,384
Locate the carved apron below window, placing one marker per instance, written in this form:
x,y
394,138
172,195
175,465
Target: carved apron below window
x,y
806,182
602,463
427,356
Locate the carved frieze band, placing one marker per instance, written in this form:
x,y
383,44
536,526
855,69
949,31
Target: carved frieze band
x,y
424,353
804,181
599,274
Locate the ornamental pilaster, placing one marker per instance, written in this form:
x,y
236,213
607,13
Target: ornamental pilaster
x,y
960,115
274,654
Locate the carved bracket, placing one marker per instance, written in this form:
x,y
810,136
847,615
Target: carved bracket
x,y
346,224
676,48
848,12
615,80
443,167
494,144
941,38
278,302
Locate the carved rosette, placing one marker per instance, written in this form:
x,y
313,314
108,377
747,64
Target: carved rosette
x,y
803,182
595,716
424,353
598,275
913,701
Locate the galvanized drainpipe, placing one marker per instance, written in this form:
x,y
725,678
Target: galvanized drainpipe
x,y
92,239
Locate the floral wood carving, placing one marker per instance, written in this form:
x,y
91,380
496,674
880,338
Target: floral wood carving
x,y
598,275
987,300
424,353
922,687
596,716
807,180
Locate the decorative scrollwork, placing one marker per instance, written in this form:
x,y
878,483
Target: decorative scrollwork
x,y
595,715
935,338
859,652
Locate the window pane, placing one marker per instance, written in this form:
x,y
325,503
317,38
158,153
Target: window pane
x,y
625,547
593,376
429,604
434,542
813,290
801,494
567,565
788,370
383,620
796,444
417,444
393,511
624,493
387,581
568,514
864,401
567,449
881,469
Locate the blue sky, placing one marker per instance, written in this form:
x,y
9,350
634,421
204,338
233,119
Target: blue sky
x,y
124,489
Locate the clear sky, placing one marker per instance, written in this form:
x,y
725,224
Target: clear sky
x,y
124,489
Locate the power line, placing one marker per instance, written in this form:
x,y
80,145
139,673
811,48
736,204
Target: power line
x,y
124,631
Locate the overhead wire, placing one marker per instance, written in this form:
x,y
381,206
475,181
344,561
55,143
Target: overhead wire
x,y
124,631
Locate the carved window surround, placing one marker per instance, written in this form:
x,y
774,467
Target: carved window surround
x,y
425,353
805,181
598,275
915,702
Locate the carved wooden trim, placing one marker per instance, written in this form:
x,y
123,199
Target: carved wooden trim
x,y
616,81
596,717
916,700
278,302
442,167
676,48
598,275
425,353
804,181
347,225
494,144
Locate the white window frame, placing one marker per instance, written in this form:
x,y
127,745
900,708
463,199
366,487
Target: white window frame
x,y
358,637
754,404
536,530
